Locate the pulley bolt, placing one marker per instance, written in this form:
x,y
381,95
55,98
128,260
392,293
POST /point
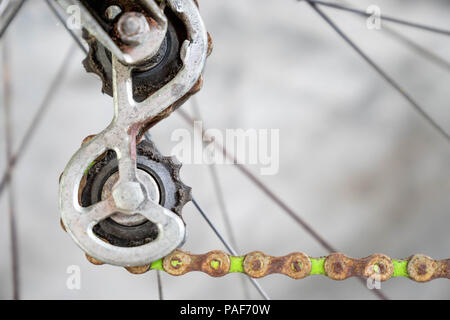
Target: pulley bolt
x,y
133,27
128,196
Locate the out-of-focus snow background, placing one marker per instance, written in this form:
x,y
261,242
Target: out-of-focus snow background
x,y
356,161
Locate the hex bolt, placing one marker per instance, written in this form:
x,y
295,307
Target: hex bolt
x,y
128,196
132,28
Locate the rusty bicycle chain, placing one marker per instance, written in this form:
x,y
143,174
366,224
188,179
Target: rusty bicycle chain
x,y
297,265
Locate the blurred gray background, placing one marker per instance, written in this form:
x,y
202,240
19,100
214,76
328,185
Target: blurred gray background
x,y
356,161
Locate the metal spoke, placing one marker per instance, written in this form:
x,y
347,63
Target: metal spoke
x,y
160,287
228,246
381,72
221,200
218,190
11,195
9,18
264,188
39,115
431,56
222,206
382,17
424,52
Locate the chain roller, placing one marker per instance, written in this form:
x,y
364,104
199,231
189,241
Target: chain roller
x,y
297,265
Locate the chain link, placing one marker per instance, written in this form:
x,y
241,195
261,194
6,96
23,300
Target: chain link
x,y
297,265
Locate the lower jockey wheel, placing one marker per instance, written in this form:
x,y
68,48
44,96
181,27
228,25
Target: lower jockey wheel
x,y
160,175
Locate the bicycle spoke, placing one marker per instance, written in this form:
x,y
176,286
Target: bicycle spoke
x,y
227,245
382,17
37,119
431,56
424,52
4,26
264,188
11,194
218,190
160,287
221,200
381,72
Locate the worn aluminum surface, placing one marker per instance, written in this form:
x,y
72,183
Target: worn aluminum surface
x,y
129,118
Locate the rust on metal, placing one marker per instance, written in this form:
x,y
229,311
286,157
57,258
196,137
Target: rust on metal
x,y
215,263
442,269
378,266
421,268
87,139
296,265
338,266
93,260
138,270
210,45
62,225
147,125
177,263
257,264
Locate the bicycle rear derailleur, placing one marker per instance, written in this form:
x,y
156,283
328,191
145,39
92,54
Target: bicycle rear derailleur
x,y
120,199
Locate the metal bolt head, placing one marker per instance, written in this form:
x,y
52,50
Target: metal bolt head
x,y
133,27
152,188
128,196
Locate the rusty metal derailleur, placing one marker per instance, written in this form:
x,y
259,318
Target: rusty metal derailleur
x,y
120,199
